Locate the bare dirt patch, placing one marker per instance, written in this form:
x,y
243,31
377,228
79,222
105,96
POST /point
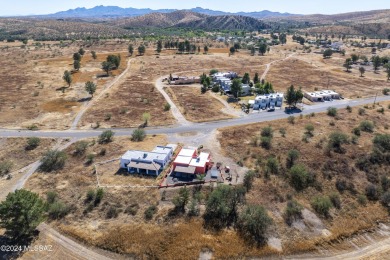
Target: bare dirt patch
x,y
195,106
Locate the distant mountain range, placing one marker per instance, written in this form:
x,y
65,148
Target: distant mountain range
x,y
117,12
188,19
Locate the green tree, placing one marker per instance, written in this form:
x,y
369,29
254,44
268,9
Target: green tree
x,y
106,137
221,207
354,58
253,223
232,50
53,160
94,56
77,56
246,79
141,50
327,53
115,60
249,177
76,65
362,70
262,48
236,87
20,214
293,96
376,62
159,46
206,49
90,87
81,51
107,67
256,79
181,200
67,77
130,48
348,64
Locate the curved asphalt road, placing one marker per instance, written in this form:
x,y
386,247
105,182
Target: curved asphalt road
x,y
198,127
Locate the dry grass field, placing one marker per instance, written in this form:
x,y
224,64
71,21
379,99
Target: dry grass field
x,y
195,106
238,143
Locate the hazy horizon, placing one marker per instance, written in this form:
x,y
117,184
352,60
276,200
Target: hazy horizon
x,y
41,7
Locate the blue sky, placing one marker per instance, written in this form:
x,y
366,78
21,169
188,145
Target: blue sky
x,y
27,7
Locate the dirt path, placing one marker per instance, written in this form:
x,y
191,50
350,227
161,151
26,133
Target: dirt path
x,y
268,65
228,108
88,104
174,109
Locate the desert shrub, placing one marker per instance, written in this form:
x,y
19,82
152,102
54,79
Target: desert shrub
x,y
381,110
386,91
90,159
362,199
253,223
102,152
80,148
372,192
291,120
98,196
273,165
138,135
322,205
349,108
265,142
267,132
341,185
51,197
32,143
292,156
385,199
167,107
354,139
367,126
58,210
292,211
309,129
299,177
336,140
112,212
193,209
361,111
335,199
385,182
382,142
53,160
90,195
249,177
282,131
356,131
106,137
5,167
215,88
149,212
332,111
132,209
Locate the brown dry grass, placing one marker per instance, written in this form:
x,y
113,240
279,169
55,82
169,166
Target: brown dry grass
x,y
303,74
181,240
237,143
195,106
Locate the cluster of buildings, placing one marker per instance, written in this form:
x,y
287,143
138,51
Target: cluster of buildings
x,y
187,163
322,95
176,80
267,101
224,79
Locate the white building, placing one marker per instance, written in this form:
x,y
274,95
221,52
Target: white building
x,y
322,95
151,163
268,101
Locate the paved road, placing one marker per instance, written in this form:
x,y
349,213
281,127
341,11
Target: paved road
x,y
198,127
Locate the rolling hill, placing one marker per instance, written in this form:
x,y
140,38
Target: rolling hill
x,y
187,19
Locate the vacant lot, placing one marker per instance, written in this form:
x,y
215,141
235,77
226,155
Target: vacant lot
x,y
273,190
301,73
195,106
